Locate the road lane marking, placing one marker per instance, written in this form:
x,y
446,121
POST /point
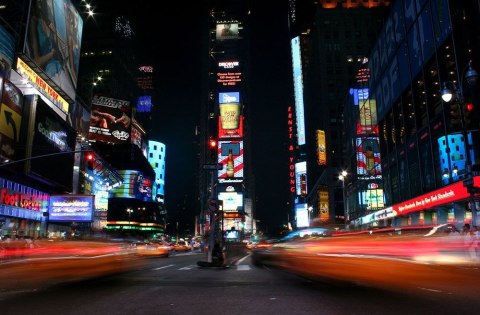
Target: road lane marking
x,y
163,267
188,267
243,267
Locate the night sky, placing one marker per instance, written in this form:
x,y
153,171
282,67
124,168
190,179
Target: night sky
x,y
171,41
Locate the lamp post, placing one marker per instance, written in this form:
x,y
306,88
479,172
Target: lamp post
x,y
455,93
343,177
129,211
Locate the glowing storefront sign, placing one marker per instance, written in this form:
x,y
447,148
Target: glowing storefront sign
x,y
27,73
445,195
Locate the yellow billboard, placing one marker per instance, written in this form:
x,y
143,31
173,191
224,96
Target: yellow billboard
x,y
321,148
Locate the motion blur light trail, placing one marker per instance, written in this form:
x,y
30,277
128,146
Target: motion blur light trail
x,y
46,262
441,263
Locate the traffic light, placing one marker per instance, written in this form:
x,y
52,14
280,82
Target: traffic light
x,y
89,158
469,113
212,145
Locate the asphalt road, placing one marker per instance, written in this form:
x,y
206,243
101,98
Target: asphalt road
x,y
176,285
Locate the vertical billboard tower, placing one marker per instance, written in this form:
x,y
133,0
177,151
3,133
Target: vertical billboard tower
x,y
227,99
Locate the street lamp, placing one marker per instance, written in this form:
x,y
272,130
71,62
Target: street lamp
x,y
343,177
455,93
129,211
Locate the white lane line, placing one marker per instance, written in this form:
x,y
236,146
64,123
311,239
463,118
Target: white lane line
x,y
188,267
238,262
243,267
163,267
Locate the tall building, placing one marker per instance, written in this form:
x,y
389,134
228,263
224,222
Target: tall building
x,y
341,36
225,120
428,142
114,83
42,150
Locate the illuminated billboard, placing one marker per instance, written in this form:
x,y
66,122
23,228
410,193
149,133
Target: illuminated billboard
x,y
301,214
323,204
368,156
135,185
454,163
226,31
321,148
53,41
359,95
41,85
298,89
71,208
230,109
11,107
372,198
367,122
236,150
301,178
230,133
144,104
110,120
229,73
232,201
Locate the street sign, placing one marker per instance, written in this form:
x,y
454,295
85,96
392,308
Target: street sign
x,y
212,167
212,205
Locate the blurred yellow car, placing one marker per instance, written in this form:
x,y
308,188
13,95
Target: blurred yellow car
x,y
151,249
182,246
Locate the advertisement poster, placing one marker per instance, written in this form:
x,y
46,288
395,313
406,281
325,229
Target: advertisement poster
x,y
53,41
368,156
135,185
226,31
110,120
71,208
323,201
236,158
10,119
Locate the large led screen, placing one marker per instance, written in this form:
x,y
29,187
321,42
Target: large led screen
x,y
53,41
298,89
301,213
135,185
301,178
230,110
232,201
71,208
226,31
229,74
372,199
454,164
